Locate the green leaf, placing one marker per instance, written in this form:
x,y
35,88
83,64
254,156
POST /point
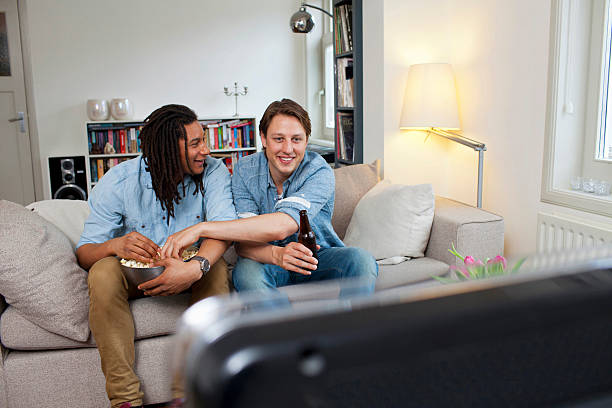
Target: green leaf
x,y
444,280
454,252
518,264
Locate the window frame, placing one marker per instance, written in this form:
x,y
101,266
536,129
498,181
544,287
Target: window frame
x,y
557,105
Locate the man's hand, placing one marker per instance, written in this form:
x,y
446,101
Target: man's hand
x,y
180,240
135,246
176,278
295,257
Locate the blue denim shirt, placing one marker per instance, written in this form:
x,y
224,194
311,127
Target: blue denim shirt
x,y
124,201
311,187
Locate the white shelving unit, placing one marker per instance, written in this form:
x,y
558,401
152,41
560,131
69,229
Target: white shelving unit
x,y
97,134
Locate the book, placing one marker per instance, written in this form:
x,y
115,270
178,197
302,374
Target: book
x,y
344,35
93,167
349,24
346,125
100,168
133,147
122,141
345,82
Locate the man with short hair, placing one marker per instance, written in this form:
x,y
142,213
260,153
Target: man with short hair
x,y
134,208
270,188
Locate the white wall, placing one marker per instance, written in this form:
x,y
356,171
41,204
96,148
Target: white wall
x,y
499,50
373,83
154,53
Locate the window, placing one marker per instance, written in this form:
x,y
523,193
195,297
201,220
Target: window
x,y
329,87
604,142
579,123
328,67
320,75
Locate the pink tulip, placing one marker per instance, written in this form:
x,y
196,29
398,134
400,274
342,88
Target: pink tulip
x,y
469,260
463,270
479,262
499,259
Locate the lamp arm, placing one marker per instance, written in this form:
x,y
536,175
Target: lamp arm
x,y
318,8
474,144
455,137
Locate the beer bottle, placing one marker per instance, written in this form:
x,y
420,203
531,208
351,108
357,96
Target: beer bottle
x,y
306,236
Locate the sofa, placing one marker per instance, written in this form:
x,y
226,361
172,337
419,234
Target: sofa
x,y
39,368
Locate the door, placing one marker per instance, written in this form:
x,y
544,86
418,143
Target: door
x,y
16,176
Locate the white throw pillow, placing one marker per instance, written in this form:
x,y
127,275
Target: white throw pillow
x,y
392,220
67,215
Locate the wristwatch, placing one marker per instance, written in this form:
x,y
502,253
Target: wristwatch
x,y
204,264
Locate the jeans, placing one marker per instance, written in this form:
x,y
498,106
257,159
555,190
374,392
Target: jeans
x,y
354,266
112,324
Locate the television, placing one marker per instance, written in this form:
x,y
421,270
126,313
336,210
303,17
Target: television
x,y
538,338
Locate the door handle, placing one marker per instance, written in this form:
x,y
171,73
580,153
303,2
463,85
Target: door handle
x,y
20,118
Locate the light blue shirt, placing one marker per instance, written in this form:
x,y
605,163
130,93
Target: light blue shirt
x,y
311,187
124,201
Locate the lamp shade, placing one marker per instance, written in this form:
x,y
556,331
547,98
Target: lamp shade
x,y
430,99
301,21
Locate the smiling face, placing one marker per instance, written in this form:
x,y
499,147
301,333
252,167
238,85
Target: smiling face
x,y
285,142
197,150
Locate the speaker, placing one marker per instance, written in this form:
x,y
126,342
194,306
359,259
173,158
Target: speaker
x,y
68,178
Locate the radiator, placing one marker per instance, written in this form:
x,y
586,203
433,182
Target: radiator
x,y
558,233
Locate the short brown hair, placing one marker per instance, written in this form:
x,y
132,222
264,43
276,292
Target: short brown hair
x,y
285,107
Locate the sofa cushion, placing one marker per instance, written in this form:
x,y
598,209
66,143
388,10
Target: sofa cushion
x,y
39,274
67,215
352,182
409,272
152,317
392,220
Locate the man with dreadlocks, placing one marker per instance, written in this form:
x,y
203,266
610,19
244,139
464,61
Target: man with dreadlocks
x,y
134,208
270,188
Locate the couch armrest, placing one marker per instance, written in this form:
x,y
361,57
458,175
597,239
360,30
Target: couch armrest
x,y
474,232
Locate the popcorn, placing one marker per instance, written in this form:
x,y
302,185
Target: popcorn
x,y
131,263
189,253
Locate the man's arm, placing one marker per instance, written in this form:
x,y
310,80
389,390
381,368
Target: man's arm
x,y
179,275
312,196
100,237
261,228
293,257
89,254
131,246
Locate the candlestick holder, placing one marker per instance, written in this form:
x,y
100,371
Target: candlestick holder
x,y
235,93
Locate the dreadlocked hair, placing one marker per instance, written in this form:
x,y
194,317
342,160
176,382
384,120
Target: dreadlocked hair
x,y
160,150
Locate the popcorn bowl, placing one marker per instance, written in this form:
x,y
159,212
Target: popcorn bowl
x,y
137,275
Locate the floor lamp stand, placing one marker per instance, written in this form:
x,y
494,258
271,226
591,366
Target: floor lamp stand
x,y
477,146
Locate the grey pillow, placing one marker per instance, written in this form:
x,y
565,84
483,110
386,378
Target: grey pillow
x,y
39,274
352,182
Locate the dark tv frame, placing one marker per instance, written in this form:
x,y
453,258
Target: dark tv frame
x,y
537,339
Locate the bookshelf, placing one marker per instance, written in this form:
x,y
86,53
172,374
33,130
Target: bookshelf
x,y
348,82
110,143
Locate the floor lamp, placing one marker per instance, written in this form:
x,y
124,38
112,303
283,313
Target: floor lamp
x,y
430,104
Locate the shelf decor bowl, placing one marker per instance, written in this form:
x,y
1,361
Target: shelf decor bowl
x,y
97,109
121,108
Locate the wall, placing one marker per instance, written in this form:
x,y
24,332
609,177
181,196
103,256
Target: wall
x,y
154,53
499,52
373,83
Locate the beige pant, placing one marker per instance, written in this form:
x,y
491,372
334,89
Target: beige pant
x,y
112,324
